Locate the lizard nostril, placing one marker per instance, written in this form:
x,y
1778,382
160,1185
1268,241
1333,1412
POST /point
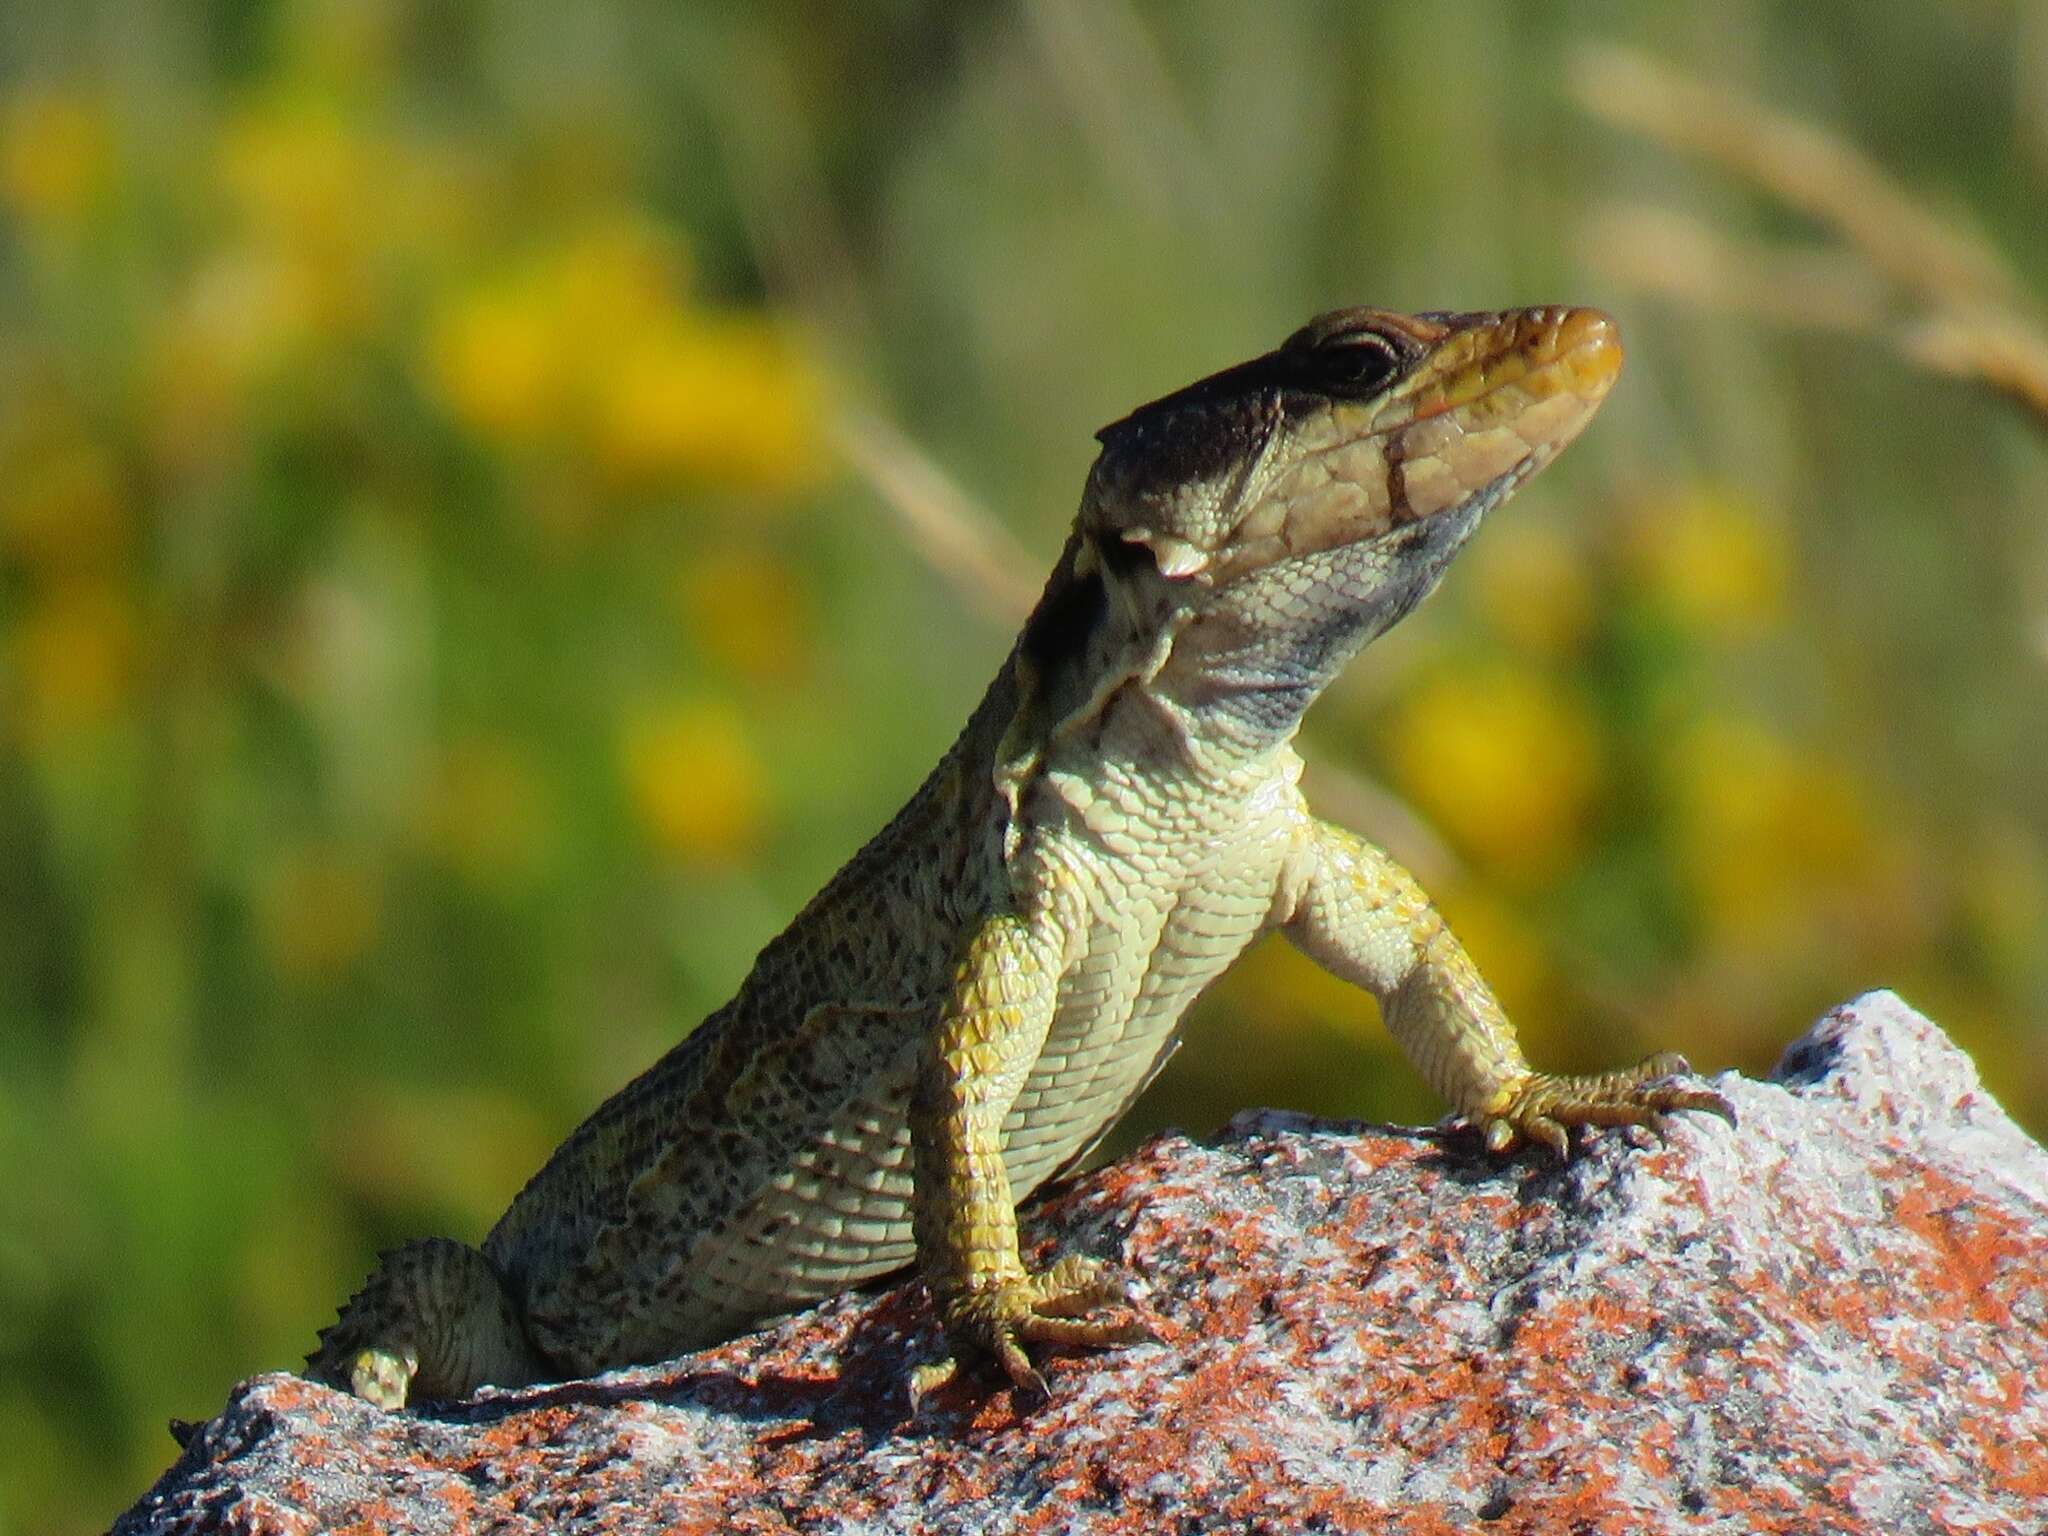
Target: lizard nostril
x,y
1587,342
1585,328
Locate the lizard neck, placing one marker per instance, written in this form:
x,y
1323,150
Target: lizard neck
x,y
1137,704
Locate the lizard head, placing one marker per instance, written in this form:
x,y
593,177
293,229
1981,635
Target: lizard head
x,y
1273,518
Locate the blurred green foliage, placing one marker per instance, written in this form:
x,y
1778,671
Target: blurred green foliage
x,y
440,639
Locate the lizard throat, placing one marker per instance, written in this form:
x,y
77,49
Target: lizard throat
x,y
1252,670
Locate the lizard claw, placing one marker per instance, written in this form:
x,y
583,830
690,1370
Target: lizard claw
x,y
999,1317
929,1378
1543,1106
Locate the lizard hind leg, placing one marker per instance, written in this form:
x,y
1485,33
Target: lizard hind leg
x,y
434,1320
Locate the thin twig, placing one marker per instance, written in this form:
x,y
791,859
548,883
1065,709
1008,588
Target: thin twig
x,y
1104,61
945,528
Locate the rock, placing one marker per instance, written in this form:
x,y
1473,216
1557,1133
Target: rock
x,y
1832,1320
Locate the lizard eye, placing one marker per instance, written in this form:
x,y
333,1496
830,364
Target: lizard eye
x,y
1357,363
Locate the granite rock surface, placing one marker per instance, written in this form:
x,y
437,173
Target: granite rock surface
x,y
1832,1319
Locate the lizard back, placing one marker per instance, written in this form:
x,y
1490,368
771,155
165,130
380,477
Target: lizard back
x,y
764,1161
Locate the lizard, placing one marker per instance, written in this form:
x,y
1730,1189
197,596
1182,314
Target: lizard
x,y
962,1011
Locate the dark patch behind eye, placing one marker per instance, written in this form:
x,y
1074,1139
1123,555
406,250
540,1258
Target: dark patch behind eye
x,y
1065,617
1352,365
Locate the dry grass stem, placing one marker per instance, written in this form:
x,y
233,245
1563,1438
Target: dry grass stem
x,y
1799,164
1988,348
1103,59
1940,297
1347,796
1658,250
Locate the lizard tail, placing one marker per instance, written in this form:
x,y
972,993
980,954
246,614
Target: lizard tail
x,y
434,1320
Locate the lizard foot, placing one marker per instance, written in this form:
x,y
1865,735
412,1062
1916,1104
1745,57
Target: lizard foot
x,y
1000,1316
1543,1105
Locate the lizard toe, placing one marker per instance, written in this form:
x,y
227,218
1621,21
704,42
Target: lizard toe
x,y
1074,1287
930,1377
1064,1305
1545,1106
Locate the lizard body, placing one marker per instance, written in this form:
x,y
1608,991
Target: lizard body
x,y
989,982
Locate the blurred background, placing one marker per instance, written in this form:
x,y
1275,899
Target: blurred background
x,y
498,500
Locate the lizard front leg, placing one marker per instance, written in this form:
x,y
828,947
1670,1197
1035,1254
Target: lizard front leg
x,y
1362,917
993,1025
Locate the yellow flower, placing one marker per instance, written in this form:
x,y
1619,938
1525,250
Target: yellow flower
x,y
495,356
1729,781
747,611
1507,763
319,913
1509,952
1780,850
593,346
708,399
694,780
612,279
310,194
484,812
56,157
298,175
192,391
1534,587
1712,561
75,657
62,510
1291,996
518,355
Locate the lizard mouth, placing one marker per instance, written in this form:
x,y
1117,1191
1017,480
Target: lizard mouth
x,y
1496,401
1488,400
1530,356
